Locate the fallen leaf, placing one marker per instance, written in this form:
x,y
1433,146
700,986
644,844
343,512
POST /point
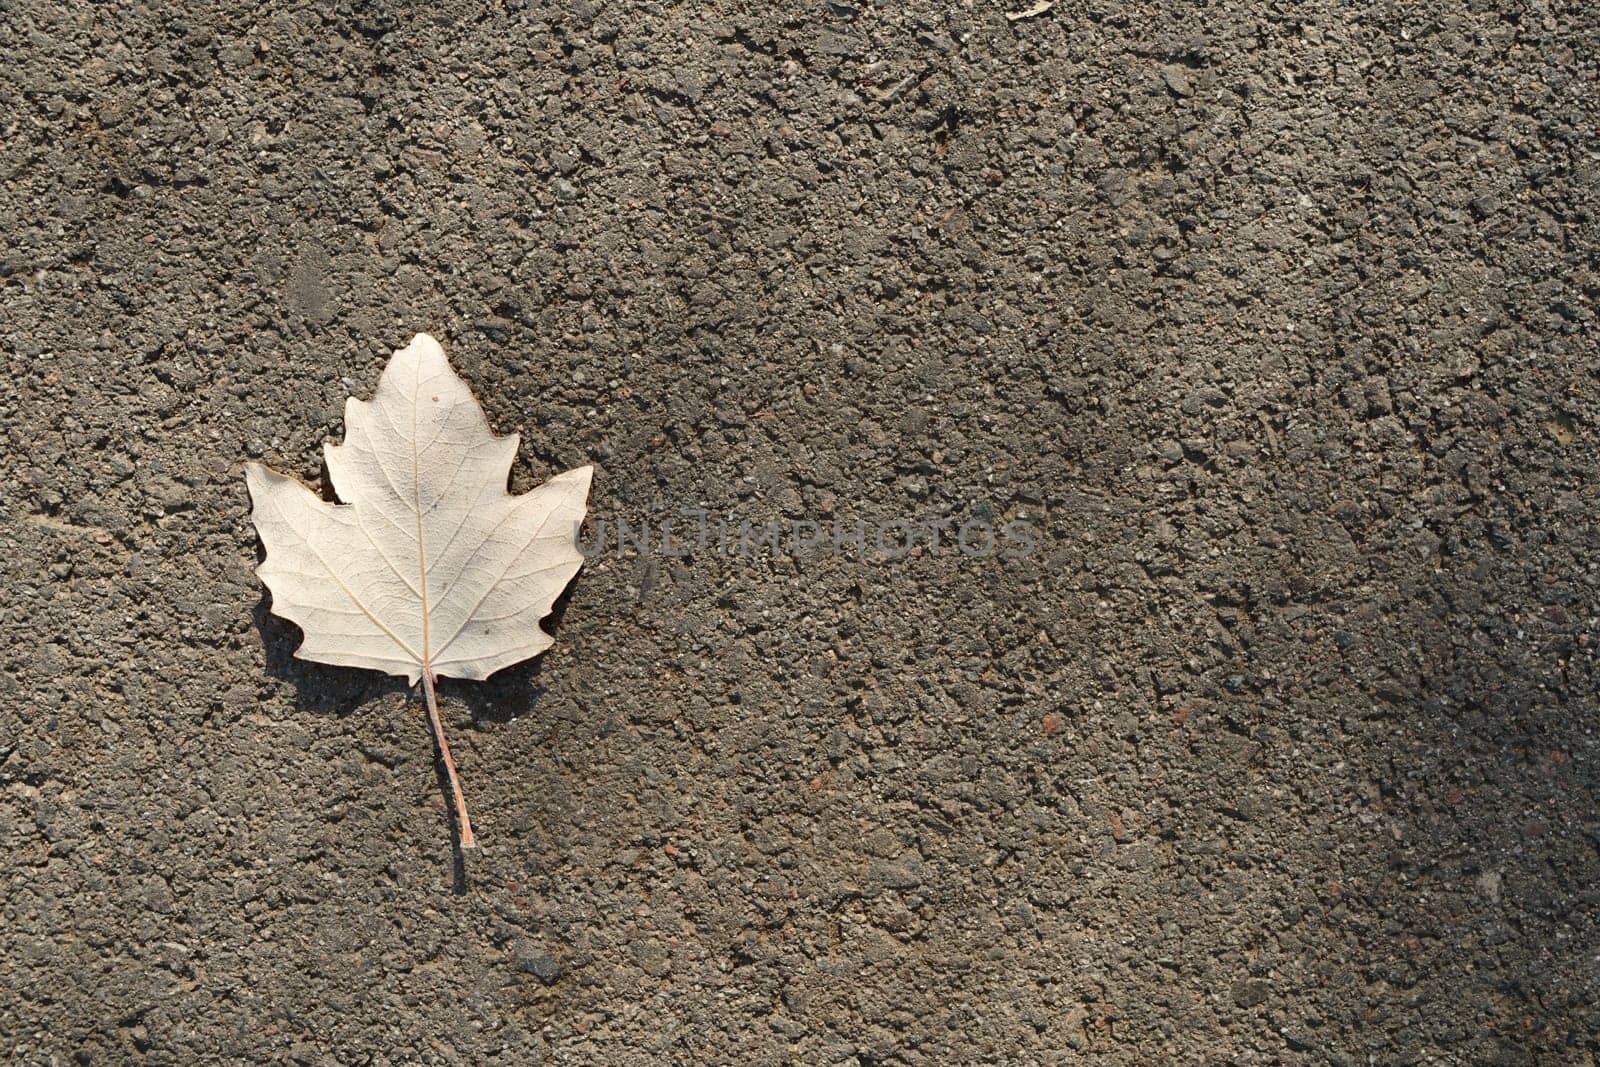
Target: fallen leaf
x,y
428,567
1032,12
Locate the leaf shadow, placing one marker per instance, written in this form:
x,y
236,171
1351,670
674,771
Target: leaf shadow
x,y
514,692
339,691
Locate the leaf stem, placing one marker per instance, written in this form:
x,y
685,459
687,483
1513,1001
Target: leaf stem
x,y
463,824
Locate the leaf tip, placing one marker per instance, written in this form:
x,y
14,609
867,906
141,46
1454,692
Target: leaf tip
x,y
424,344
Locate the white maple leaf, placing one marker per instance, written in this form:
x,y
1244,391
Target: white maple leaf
x,y
428,567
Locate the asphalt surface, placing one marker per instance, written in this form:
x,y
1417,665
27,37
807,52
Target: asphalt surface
x,y
1274,324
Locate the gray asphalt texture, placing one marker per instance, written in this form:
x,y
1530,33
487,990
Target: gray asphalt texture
x,y
1277,323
